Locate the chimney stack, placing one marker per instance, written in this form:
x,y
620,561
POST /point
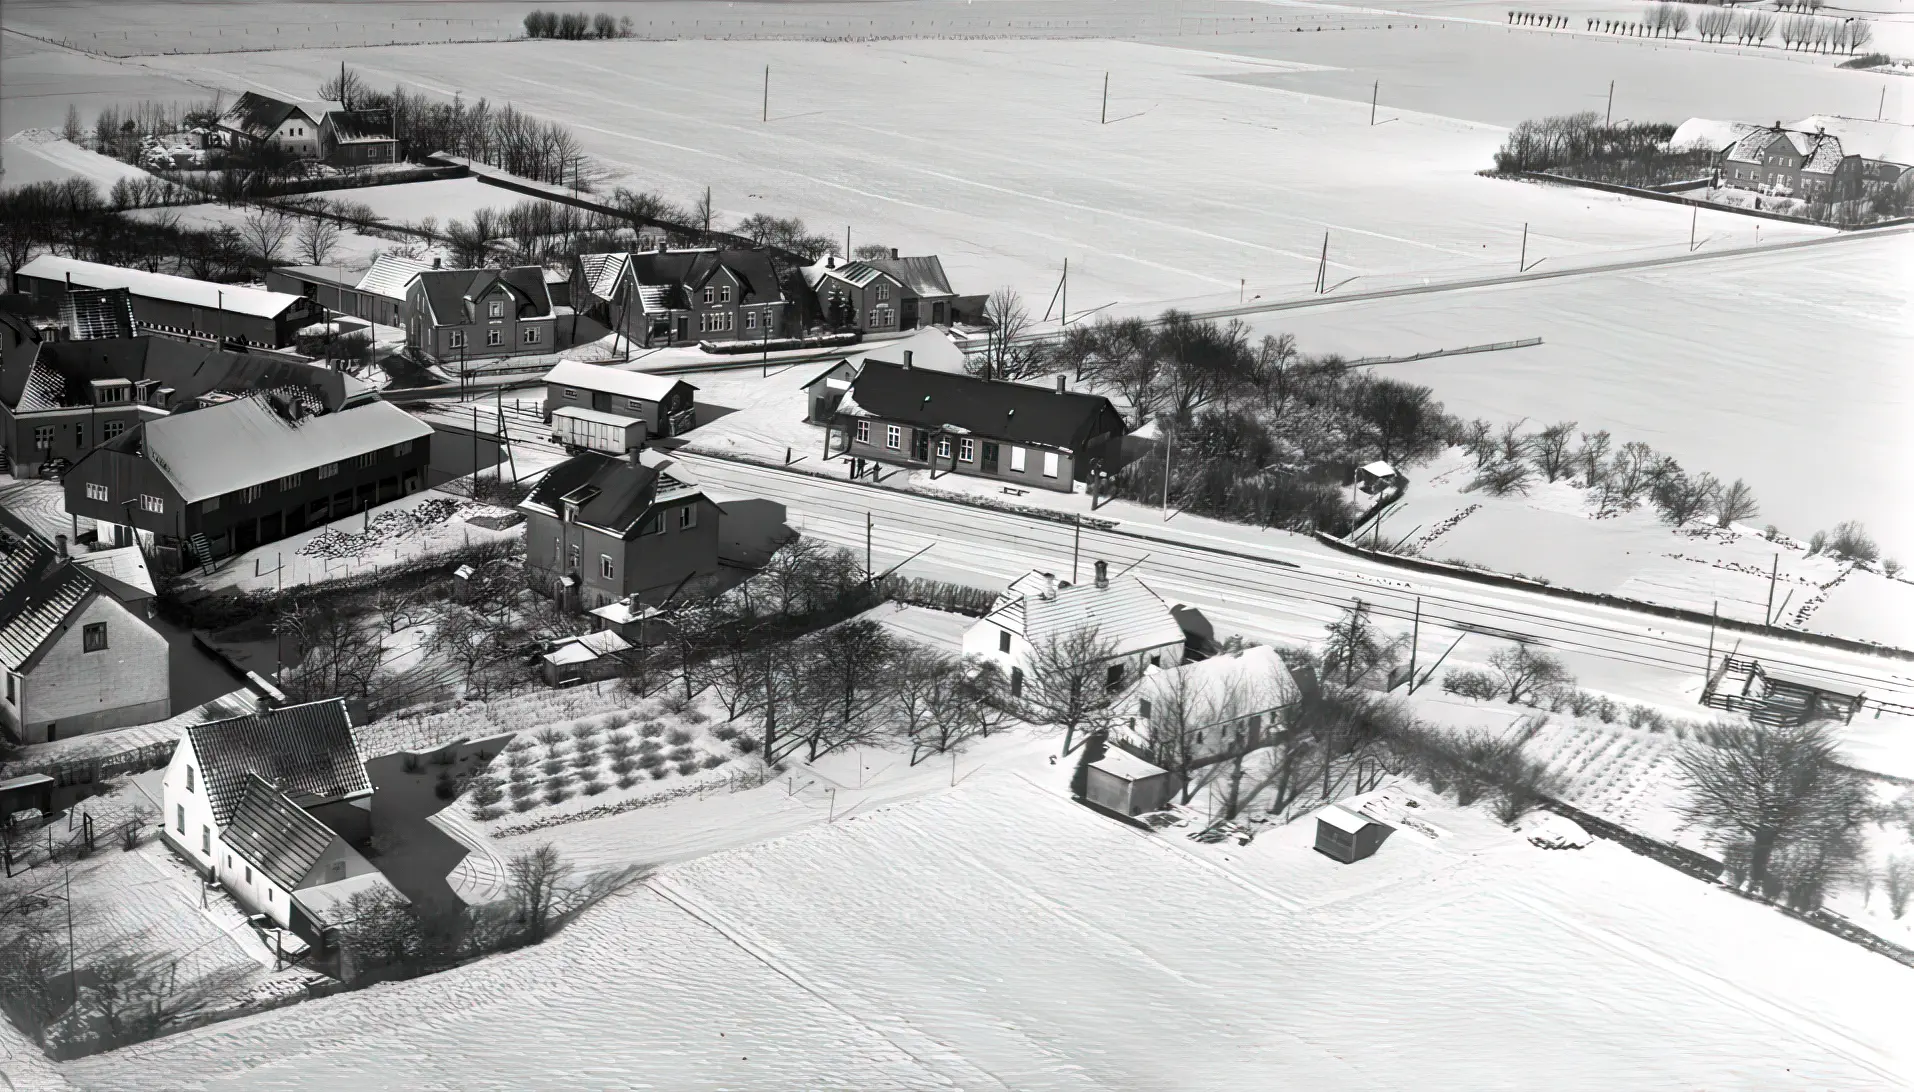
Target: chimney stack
x,y
59,545
893,254
1060,382
1103,574
635,455
830,261
907,359
435,263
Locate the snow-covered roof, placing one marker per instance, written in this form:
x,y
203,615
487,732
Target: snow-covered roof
x,y
162,286
125,565
1222,688
389,275
1124,612
589,647
1709,133
601,272
1380,469
1118,762
596,417
1886,141
624,384
330,904
621,612
1343,819
225,448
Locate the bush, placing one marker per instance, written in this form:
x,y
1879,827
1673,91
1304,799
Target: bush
x,y
486,790
1479,685
593,786
585,760
551,737
622,766
650,729
552,766
712,762
744,744
678,736
1501,478
1850,542
626,781
725,732
1627,153
660,772
525,803
522,789
688,767
651,760
556,793
681,754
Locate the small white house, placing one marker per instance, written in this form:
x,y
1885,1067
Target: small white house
x,y
1208,710
1140,626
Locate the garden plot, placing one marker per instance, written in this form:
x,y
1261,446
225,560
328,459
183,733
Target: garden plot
x,y
353,250
443,200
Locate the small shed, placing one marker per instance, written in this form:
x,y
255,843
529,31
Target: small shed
x,y
1126,784
1377,477
1814,698
582,659
639,623
825,393
1347,836
28,791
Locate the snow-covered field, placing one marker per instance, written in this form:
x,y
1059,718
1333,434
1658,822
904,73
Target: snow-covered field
x,y
997,936
40,155
445,200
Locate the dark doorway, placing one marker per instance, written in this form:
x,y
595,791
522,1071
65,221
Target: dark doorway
x,y
684,328
920,445
269,527
907,319
990,457
245,536
939,314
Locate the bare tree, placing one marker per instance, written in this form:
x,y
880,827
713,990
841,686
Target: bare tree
x,y
265,231
1550,449
1592,455
534,880
1525,673
1898,879
1760,789
1068,685
318,238
72,130
1735,503
346,89
1119,354
1005,355
1629,473
1682,498
1355,648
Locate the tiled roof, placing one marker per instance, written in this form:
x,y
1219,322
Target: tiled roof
x,y
451,291
306,751
1882,141
598,377
1126,613
1826,157
995,410
258,116
360,126
38,592
688,270
1223,687
275,835
238,299
610,492
90,313
601,273
225,448
390,274
56,374
924,276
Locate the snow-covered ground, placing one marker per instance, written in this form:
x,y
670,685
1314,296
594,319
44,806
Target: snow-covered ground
x,y
994,935
352,251
41,155
445,200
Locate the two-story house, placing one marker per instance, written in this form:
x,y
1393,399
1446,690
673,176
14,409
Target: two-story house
x,y
232,476
682,297
610,410
310,130
885,295
1811,166
468,314
274,807
601,528
1039,611
75,658
1021,435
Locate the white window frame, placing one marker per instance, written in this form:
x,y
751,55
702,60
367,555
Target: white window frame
x,y
724,293
893,438
531,335
1017,456
710,294
290,481
248,494
95,491
750,320
943,447
153,504
605,567
687,517
495,309
494,338
967,450
327,470
1051,464
457,340
863,431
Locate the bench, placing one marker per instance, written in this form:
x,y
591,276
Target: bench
x,y
1014,491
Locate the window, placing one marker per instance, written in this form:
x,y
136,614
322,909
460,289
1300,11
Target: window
x,y
893,437
571,394
43,437
494,337
327,470
687,516
943,447
1003,641
10,693
531,335
750,320
1016,682
113,428
495,309
189,779
883,292
604,566
967,450
457,340
571,556
179,817
634,404
205,841
93,637
710,294
290,481
96,492
367,459
863,432
1113,678
250,493
1143,708
249,874
79,436
724,294
1050,464
1016,458
654,524
403,447
151,503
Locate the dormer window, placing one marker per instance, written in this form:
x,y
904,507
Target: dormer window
x,y
110,392
495,309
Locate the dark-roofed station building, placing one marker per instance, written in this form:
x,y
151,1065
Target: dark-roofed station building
x,y
469,314
602,528
271,807
1032,437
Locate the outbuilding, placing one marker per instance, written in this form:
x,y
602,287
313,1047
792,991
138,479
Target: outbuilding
x,y
1126,784
1347,836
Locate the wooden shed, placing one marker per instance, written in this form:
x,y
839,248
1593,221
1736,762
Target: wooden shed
x,y
592,656
1346,835
1126,784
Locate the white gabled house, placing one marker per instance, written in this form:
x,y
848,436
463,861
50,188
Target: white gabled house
x,y
1140,626
270,806
1208,710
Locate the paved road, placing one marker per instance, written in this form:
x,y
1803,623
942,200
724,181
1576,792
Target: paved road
x,y
1274,586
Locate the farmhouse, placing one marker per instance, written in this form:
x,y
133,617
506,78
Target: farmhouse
x,y
1038,611
227,478
76,658
162,303
273,807
884,295
1209,710
377,295
60,398
680,297
1819,158
468,314
605,409
600,528
310,130
1018,434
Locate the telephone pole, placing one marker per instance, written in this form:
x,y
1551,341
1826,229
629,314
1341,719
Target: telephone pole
x,y
1104,117
1375,93
1322,268
1608,118
767,94
869,573
1522,263
1767,615
1063,319
1076,545
1694,215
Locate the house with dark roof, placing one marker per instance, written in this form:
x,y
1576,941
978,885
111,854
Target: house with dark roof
x,y
273,807
681,297
87,314
884,295
310,130
601,528
1823,157
454,315
376,295
246,471
163,303
59,399
76,658
1024,436
357,138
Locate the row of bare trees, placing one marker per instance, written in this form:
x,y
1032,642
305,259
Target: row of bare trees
x,y
1509,460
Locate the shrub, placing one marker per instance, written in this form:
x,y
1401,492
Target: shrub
x,y
1499,479
622,765
650,746
1850,542
688,767
650,729
552,766
695,716
626,781
584,729
1891,567
486,790
550,736
1479,685
712,762
593,786
412,763
619,738
725,732
557,795
525,803
745,744
651,760
486,814
445,788
680,754
585,760
678,736
519,760
660,772
1605,709
522,789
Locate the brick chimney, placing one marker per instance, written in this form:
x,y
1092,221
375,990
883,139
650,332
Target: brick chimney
x,y
1103,574
893,254
1060,382
907,359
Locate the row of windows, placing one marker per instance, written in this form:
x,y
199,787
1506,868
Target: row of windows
x,y
97,491
883,316
966,449
43,434
492,337
716,322
571,395
655,524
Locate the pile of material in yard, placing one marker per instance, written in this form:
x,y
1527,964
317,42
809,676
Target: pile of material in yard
x,y
381,529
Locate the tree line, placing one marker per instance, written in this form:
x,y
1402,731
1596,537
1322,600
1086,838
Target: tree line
x,y
1581,145
576,26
